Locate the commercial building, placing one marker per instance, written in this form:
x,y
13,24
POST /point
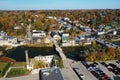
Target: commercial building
x,y
50,74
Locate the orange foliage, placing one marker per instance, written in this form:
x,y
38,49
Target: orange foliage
x,y
6,59
111,50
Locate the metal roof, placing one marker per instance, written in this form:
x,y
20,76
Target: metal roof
x,y
51,74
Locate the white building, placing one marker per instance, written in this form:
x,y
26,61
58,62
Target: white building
x,y
55,36
48,60
38,34
3,35
100,32
12,40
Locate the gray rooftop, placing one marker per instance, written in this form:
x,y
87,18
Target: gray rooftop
x,y
51,74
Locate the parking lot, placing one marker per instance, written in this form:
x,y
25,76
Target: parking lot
x,y
109,70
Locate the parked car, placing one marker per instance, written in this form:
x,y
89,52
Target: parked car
x,y
118,61
81,75
103,63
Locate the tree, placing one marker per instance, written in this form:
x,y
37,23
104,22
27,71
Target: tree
x,y
35,65
41,64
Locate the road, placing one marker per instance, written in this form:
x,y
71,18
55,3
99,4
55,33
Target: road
x,y
68,72
28,77
108,44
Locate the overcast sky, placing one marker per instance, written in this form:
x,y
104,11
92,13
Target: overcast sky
x,y
58,4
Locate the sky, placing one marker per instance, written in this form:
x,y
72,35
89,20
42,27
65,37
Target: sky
x,y
58,4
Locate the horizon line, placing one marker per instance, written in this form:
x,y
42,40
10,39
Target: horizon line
x,y
55,9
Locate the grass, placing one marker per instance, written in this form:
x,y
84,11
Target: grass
x,y
2,65
3,68
19,64
17,72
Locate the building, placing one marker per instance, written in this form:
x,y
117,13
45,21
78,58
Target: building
x,y
50,74
12,40
3,35
100,32
55,36
64,37
40,62
38,34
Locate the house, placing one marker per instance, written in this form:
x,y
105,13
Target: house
x,y
3,35
100,32
66,26
80,39
108,27
85,29
70,41
50,74
12,40
38,34
66,19
55,36
64,37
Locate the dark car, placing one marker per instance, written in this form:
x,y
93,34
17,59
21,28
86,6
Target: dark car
x,y
103,63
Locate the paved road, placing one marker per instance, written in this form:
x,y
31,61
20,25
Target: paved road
x,y
59,50
108,44
28,77
68,72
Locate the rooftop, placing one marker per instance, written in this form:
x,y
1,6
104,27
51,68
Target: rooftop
x,y
51,74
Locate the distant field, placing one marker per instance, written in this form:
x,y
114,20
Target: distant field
x,y
19,64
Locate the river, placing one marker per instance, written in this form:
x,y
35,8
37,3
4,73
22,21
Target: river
x,y
71,52
19,53
74,52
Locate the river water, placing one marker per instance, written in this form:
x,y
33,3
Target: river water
x,y
71,52
19,53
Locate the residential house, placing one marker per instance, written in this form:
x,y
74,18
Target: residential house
x,y
70,41
80,39
64,37
100,32
3,35
108,27
12,40
55,36
38,34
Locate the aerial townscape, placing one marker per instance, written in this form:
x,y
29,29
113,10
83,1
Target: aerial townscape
x,y
59,43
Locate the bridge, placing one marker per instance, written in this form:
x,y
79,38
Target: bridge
x,y
59,50
108,44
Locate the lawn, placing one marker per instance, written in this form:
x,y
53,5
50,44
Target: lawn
x,y
2,65
17,72
19,64
3,68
